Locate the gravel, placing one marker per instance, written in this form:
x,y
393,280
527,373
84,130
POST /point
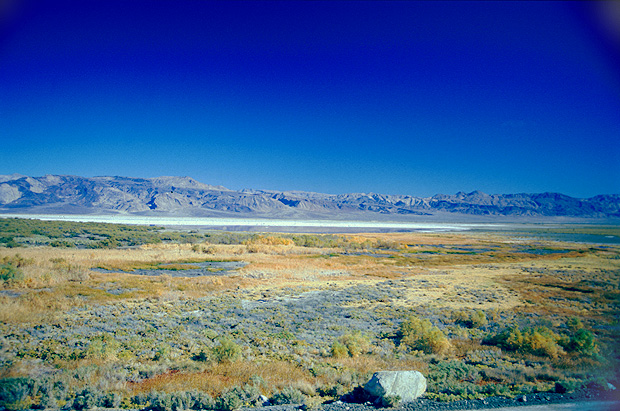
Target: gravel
x,y
585,399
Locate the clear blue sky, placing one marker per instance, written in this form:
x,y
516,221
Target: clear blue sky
x,y
397,97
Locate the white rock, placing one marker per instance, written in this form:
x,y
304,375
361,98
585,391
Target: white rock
x,y
408,385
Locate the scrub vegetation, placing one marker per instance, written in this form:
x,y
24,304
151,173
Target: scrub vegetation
x,y
300,318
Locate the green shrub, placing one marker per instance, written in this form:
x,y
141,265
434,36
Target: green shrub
x,y
574,324
103,347
111,400
542,341
159,401
390,401
421,335
237,397
175,401
162,352
15,393
226,350
9,242
580,341
478,319
229,401
583,341
202,356
461,317
453,378
350,345
567,385
474,319
202,401
9,274
86,399
539,341
288,395
339,350
62,244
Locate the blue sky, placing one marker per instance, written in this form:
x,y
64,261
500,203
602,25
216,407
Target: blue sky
x,y
398,97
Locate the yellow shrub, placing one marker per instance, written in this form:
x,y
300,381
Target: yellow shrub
x,y
421,335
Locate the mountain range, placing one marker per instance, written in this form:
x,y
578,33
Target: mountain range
x,y
184,196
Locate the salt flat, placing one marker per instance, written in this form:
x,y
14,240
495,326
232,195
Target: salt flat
x,y
259,222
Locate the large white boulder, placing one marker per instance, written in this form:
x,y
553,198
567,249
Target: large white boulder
x,y
407,385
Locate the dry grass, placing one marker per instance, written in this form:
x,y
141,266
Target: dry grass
x,y
57,279
218,377
571,286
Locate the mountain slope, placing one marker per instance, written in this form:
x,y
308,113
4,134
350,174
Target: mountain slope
x,y
186,196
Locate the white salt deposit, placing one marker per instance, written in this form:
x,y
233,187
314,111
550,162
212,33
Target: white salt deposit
x,y
247,222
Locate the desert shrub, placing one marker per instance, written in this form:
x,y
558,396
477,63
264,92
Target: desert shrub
x,y
10,274
202,401
574,324
86,399
10,269
542,341
48,401
226,350
444,373
387,245
109,242
350,345
457,380
162,352
269,240
181,401
228,401
62,244
568,385
478,319
49,393
539,341
419,334
159,401
334,391
339,350
227,238
460,317
236,397
288,395
103,347
581,341
318,240
473,319
176,401
390,401
111,400
202,356
15,393
599,383
497,390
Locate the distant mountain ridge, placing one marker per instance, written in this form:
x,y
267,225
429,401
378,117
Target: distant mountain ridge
x,y
64,194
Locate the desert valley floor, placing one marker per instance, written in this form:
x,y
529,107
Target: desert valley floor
x,y
118,316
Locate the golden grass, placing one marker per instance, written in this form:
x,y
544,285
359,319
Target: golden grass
x,y
585,286
217,377
57,279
